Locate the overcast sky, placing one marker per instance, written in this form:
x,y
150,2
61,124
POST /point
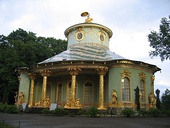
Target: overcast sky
x,y
130,20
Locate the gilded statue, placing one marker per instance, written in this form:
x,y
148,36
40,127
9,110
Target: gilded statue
x,y
39,103
77,103
88,19
152,100
21,98
73,104
68,104
16,98
46,102
114,98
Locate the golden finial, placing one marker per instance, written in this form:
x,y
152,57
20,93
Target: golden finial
x,y
88,19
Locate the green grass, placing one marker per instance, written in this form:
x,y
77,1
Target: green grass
x,y
4,125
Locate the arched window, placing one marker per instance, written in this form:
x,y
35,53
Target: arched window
x,y
59,92
142,90
88,94
125,89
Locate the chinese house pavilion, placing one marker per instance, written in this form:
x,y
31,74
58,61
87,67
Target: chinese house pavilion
x,y
87,74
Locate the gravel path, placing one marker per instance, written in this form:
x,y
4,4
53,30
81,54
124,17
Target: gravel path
x,y
42,121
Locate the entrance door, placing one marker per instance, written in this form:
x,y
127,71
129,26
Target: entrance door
x,y
88,94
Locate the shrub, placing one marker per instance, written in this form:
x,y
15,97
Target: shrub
x,y
143,112
11,109
59,112
154,112
82,112
93,111
168,113
3,107
45,111
128,112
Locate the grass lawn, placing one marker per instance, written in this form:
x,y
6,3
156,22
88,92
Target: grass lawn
x,y
4,125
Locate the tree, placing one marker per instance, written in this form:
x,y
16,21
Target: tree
x,y
22,49
160,41
137,102
166,100
158,102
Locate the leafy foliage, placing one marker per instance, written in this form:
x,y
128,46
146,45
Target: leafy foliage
x,y
23,49
9,108
137,98
93,111
45,111
59,112
154,112
143,112
128,112
12,109
166,100
160,41
158,102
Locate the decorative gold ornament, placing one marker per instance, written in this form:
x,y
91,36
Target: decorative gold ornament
x,y
152,100
74,70
79,34
39,103
142,76
45,72
46,102
88,19
152,78
73,104
102,70
21,98
114,98
125,73
102,35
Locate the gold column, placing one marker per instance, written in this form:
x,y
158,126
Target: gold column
x,y
101,71
31,98
45,74
74,72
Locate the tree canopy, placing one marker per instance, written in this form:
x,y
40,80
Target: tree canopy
x,y
160,41
23,49
166,100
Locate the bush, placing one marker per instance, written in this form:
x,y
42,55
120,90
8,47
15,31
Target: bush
x,y
143,112
93,111
11,109
154,112
45,111
59,112
168,113
3,107
128,112
82,112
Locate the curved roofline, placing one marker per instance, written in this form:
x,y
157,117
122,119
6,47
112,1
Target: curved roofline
x,y
109,31
154,68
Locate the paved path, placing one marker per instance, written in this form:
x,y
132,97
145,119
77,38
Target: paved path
x,y
41,121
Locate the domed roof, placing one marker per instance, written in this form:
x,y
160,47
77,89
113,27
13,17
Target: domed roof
x,y
85,52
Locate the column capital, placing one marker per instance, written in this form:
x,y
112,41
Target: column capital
x,y
74,70
102,70
45,72
32,75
